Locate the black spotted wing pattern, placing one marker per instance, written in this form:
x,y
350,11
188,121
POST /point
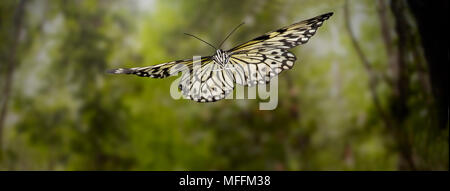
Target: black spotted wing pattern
x,y
286,37
259,60
160,70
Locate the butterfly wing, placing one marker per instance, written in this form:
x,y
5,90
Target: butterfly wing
x,y
286,37
260,65
264,57
207,84
160,70
202,82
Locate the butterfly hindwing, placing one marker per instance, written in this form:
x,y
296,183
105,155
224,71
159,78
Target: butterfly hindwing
x,y
259,67
207,83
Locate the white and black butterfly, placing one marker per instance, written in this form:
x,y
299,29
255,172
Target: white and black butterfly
x,y
251,63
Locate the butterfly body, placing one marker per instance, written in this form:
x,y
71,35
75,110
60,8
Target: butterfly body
x,y
254,62
221,57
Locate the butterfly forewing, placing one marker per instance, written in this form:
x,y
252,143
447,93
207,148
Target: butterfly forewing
x,y
157,71
257,61
286,37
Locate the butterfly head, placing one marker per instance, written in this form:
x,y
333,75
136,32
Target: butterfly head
x,y
221,57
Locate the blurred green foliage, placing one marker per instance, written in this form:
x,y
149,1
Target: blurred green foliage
x,y
67,114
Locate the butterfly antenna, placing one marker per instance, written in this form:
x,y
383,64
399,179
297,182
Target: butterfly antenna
x,y
230,34
201,40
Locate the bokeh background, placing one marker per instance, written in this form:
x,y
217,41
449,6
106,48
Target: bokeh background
x,y
368,92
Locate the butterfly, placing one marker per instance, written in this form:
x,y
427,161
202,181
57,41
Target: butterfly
x,y
212,78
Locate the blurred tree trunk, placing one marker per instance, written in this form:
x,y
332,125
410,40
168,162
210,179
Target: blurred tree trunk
x,y
401,80
431,18
394,116
373,82
10,66
386,32
399,100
